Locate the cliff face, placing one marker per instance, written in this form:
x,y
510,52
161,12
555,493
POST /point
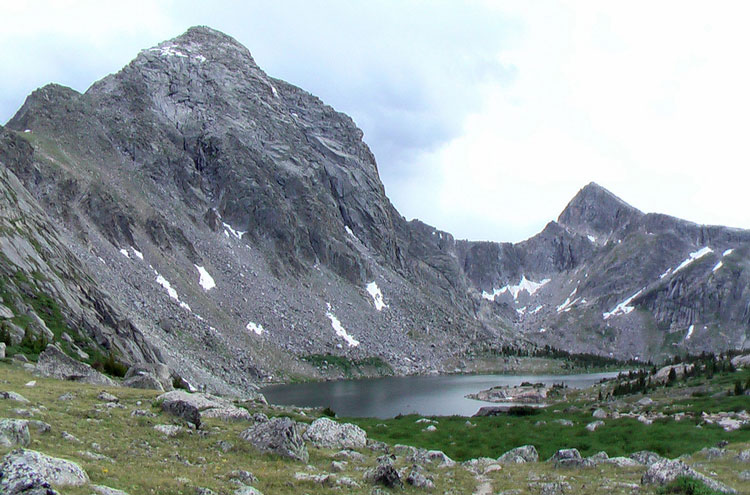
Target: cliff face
x,y
45,291
240,224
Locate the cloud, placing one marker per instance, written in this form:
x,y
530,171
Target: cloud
x,y
485,116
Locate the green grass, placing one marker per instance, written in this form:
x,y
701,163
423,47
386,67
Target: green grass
x,y
493,436
687,486
350,367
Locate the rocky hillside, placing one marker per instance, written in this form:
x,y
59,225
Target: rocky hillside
x,y
240,225
607,278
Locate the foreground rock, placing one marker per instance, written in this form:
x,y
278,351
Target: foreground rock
x,y
54,363
664,472
149,376
279,436
330,434
193,407
567,458
14,432
384,474
31,472
519,455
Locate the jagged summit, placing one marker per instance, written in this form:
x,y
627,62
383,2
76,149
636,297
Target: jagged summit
x,y
595,210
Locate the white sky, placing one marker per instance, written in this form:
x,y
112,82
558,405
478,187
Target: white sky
x,y
485,117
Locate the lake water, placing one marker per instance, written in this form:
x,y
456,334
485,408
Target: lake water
x,y
441,395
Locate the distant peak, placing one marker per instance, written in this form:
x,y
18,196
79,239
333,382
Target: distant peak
x,y
203,35
596,210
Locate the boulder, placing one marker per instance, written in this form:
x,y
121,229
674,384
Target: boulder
x,y
567,458
168,430
664,472
593,426
417,478
2,350
54,363
600,414
279,436
14,432
623,462
145,381
193,407
422,457
662,375
384,474
329,434
28,471
14,396
105,490
646,457
742,361
520,455
143,375
107,397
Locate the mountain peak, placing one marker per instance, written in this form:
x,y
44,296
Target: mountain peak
x,y
596,210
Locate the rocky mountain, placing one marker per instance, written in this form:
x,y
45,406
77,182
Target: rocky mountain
x,y
240,225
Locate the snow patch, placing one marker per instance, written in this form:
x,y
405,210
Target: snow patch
x,y
206,280
377,296
137,253
521,311
542,330
728,252
125,253
690,332
694,256
229,230
537,309
669,270
273,90
253,327
623,308
27,130
339,329
567,305
592,238
524,285
717,266
169,51
170,290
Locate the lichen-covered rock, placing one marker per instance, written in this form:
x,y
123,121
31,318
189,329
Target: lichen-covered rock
x,y
417,478
520,455
54,363
168,430
145,381
24,470
105,490
278,436
14,432
14,396
594,425
567,458
191,407
664,472
646,457
384,474
600,414
326,433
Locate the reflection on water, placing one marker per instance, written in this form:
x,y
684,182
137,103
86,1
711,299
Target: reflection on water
x,y
442,395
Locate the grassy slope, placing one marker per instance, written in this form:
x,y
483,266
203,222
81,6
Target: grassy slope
x,y
144,461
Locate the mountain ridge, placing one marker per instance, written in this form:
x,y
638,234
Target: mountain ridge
x,y
192,165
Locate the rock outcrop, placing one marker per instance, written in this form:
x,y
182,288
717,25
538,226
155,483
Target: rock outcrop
x,y
329,434
281,436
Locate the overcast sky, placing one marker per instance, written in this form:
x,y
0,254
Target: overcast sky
x,y
486,117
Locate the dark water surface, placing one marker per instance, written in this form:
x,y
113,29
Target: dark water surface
x,y
441,395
